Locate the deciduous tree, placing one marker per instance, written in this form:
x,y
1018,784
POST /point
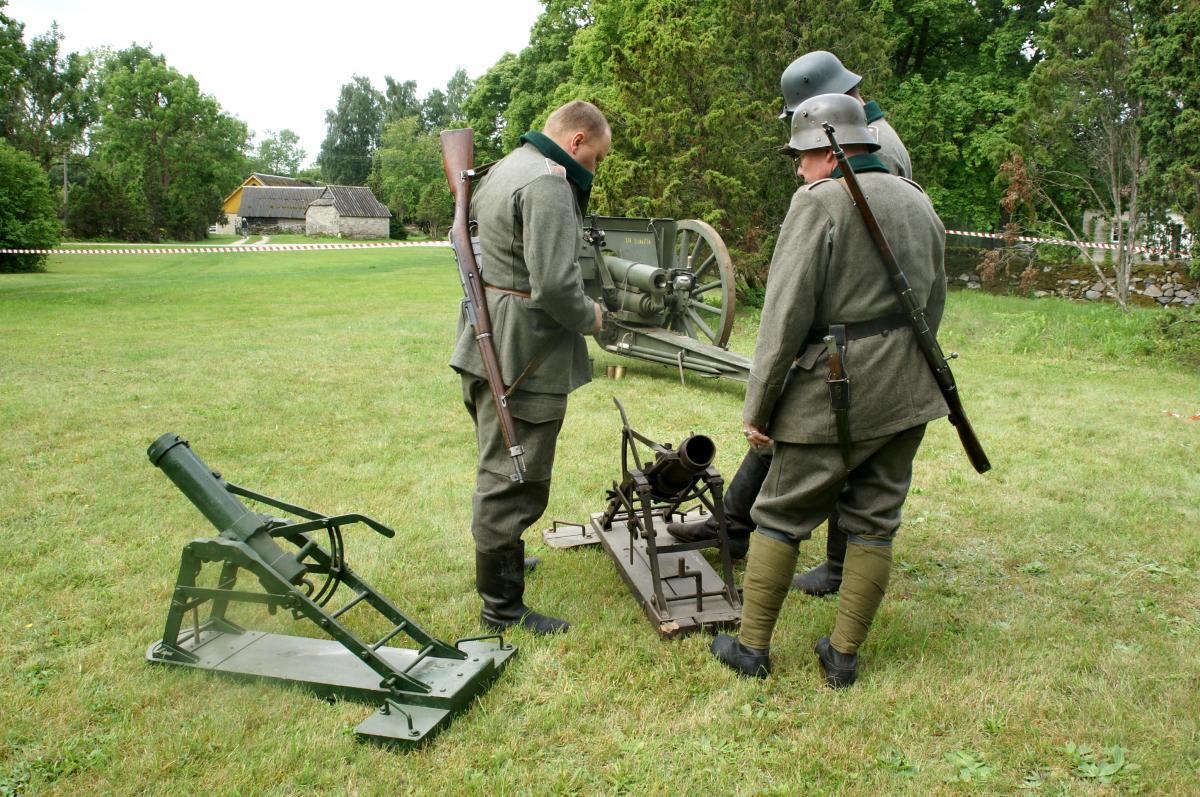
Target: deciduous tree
x,y
55,105
1080,131
279,153
12,56
170,147
352,134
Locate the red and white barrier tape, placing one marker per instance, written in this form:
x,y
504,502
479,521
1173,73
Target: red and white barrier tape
x,y
189,250
1149,250
193,250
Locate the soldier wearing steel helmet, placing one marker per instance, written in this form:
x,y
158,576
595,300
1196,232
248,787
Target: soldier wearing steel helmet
x,y
814,73
827,278
821,72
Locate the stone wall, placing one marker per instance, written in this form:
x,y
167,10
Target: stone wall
x,y
1165,288
321,220
259,226
324,220
357,227
1152,283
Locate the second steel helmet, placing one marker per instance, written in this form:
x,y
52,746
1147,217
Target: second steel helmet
x,y
844,113
818,72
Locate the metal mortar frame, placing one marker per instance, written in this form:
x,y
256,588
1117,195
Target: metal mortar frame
x,y
418,690
656,572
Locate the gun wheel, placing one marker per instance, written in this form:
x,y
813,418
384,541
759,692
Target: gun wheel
x,y
706,313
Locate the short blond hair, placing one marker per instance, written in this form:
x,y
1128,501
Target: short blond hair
x,y
577,115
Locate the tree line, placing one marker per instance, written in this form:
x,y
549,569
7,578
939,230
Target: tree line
x,y
133,148
1019,116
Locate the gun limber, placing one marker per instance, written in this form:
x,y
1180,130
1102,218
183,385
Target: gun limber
x,y
458,155
926,341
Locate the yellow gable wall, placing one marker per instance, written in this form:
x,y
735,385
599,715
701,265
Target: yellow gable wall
x,y
234,200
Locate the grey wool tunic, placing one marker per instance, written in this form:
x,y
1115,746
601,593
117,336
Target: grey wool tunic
x,y
826,270
530,234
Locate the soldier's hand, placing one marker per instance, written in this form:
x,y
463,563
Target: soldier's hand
x,y
599,318
756,435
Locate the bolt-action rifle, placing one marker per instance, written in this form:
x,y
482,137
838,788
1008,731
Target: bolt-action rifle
x,y
926,341
458,158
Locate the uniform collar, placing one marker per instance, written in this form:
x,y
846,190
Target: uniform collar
x,y
874,112
576,173
862,162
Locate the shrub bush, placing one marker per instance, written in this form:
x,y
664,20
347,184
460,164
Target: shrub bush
x,y
28,217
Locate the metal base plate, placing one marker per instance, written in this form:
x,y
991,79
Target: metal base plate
x,y
329,669
681,615
565,534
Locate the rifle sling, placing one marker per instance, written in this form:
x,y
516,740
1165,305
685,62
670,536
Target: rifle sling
x,y
530,368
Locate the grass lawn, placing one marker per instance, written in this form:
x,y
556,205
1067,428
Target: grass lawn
x,y
294,238
1042,630
214,239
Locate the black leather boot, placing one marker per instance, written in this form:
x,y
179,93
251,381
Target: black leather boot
x,y
841,669
500,581
825,578
706,529
750,662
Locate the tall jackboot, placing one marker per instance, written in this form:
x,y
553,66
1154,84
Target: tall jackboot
x,y
737,502
825,578
768,572
867,572
500,581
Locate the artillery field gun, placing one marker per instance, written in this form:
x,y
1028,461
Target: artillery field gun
x,y
668,284
670,287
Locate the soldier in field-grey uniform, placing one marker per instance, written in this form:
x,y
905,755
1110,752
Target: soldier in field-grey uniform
x,y
814,73
827,278
529,209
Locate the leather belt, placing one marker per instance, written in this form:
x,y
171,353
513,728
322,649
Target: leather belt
x,y
509,291
863,329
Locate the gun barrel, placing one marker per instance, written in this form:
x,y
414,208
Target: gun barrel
x,y
172,454
637,275
674,471
197,481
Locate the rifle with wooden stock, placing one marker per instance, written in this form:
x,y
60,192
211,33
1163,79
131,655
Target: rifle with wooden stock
x,y
458,158
926,341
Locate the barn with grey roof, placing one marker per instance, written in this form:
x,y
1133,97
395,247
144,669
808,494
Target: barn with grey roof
x,y
276,208
347,211
344,211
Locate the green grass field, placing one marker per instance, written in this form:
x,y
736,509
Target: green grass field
x,y
1042,631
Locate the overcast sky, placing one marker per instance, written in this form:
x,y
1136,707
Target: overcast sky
x,y
278,65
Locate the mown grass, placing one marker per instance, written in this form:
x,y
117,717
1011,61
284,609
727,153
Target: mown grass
x,y
1042,629
213,239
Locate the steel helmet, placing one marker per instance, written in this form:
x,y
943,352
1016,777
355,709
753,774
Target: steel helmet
x,y
818,72
844,113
